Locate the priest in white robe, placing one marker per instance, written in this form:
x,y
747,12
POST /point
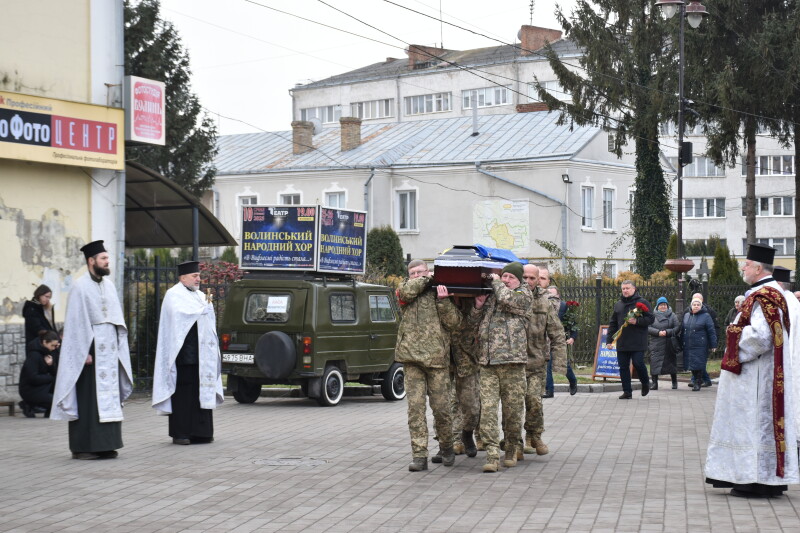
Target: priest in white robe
x,y
783,277
752,448
187,379
94,372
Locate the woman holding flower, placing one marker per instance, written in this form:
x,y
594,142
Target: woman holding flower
x,y
628,330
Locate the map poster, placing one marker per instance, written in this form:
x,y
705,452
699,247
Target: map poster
x,y
502,224
279,237
342,240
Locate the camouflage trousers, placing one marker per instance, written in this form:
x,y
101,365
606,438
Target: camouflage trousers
x,y
502,384
534,414
422,382
466,403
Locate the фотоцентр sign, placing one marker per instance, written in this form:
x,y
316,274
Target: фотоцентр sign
x,y
279,237
55,131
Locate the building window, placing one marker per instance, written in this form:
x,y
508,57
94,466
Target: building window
x,y
608,208
552,87
700,167
487,97
326,114
427,103
775,206
670,129
704,208
335,199
783,246
373,109
290,199
587,206
771,165
407,210
248,200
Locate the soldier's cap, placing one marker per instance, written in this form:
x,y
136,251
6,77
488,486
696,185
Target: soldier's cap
x,y
515,269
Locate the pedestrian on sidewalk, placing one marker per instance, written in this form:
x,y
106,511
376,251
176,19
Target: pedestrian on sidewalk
x,y
663,343
629,322
698,336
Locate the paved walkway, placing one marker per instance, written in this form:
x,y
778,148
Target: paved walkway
x,y
284,464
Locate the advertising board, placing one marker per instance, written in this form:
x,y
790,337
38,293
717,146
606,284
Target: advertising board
x,y
279,237
342,240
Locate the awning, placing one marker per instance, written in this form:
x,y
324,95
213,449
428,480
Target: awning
x,y
159,213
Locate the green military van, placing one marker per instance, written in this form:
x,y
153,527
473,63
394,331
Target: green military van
x,y
311,329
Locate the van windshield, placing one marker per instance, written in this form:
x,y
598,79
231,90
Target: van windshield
x,y
263,307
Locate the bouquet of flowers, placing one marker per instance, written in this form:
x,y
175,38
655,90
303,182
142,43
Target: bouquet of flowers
x,y
569,320
636,312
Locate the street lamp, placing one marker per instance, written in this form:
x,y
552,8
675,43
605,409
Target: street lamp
x,y
694,12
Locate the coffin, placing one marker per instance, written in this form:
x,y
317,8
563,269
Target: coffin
x,y
464,272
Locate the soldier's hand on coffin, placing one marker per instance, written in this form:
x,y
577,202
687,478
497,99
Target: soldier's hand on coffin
x,y
494,276
480,300
441,292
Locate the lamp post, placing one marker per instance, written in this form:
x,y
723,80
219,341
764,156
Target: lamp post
x,y
694,13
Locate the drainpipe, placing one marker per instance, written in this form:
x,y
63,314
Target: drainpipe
x,y
544,195
366,195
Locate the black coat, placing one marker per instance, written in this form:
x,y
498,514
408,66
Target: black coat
x,y
37,378
662,354
35,320
634,338
698,336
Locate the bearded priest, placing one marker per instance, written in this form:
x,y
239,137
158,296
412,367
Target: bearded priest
x,y
752,448
187,379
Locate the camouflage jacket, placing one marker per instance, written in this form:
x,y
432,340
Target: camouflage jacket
x,y
559,357
503,325
464,343
545,334
423,337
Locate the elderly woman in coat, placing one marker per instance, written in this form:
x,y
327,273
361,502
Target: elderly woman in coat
x,y
699,336
663,332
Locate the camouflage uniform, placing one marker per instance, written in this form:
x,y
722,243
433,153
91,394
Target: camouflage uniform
x,y
503,355
466,376
423,346
545,334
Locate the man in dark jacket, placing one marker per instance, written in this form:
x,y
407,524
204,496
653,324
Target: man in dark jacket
x,y
632,342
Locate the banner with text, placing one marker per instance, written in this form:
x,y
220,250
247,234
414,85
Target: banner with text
x,y
279,237
342,240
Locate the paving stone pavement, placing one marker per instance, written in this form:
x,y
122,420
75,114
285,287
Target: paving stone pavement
x,y
285,464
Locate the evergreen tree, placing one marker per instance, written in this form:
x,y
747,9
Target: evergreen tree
x,y
384,251
672,247
726,269
620,86
153,50
229,255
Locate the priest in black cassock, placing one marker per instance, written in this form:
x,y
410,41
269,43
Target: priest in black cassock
x,y
187,379
94,371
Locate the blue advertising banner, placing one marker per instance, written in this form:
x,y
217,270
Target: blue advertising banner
x,y
279,237
605,358
342,240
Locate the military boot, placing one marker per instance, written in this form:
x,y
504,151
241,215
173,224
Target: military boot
x,y
510,459
529,448
458,448
492,464
479,444
418,464
520,454
448,457
469,443
438,457
541,447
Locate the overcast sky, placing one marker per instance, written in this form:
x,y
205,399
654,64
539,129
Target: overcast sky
x,y
245,57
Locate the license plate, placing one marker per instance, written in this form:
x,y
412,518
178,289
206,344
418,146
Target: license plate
x,y
237,358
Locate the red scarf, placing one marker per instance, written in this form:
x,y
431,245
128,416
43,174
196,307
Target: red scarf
x,y
772,303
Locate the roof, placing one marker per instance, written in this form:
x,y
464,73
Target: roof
x,y
419,143
393,67
159,212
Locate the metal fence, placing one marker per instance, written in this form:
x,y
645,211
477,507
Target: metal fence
x,y
145,283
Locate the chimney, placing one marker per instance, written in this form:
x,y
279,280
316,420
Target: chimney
x,y
420,55
532,107
351,133
533,38
302,130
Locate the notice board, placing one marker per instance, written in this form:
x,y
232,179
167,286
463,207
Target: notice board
x,y
605,358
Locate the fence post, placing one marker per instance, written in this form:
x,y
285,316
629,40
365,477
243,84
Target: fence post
x,y
157,292
598,299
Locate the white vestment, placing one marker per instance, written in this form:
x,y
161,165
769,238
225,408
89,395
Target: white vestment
x,y
794,358
741,447
179,311
93,314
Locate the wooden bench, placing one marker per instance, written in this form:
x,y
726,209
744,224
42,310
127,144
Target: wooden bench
x,y
11,406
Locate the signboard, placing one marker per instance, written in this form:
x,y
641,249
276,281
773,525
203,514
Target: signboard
x,y
145,107
605,359
342,240
56,131
279,237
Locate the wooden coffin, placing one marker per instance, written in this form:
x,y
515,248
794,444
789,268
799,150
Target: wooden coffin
x,y
464,272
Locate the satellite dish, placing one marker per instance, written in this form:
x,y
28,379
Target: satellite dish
x,y
317,125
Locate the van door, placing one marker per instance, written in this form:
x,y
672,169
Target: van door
x,y
383,328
